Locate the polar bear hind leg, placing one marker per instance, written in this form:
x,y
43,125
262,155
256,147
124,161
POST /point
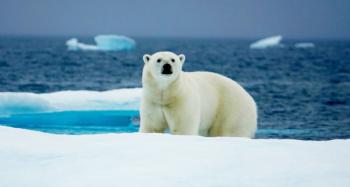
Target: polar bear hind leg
x,y
230,125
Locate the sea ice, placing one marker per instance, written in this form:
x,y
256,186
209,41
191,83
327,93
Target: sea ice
x,y
304,45
119,99
74,44
34,159
273,41
103,43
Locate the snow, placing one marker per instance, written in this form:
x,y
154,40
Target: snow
x,y
21,102
35,159
103,43
273,41
304,45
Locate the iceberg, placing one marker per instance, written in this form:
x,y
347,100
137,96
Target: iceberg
x,y
35,159
118,99
273,41
103,43
304,45
114,42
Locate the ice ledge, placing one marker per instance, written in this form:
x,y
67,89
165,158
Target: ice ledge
x,y
21,102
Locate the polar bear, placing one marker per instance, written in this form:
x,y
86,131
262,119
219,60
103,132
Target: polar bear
x,y
193,103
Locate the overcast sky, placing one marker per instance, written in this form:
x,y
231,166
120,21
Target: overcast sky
x,y
178,18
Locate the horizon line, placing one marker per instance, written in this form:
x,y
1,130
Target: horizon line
x,y
175,37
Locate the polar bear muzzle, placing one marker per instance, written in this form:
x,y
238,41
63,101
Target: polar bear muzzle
x,y
166,69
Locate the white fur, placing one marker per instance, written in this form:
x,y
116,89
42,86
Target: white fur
x,y
194,103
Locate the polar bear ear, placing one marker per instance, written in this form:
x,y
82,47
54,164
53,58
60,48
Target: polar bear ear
x,y
146,58
182,58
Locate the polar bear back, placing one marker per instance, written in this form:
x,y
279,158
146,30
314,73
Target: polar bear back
x,y
226,108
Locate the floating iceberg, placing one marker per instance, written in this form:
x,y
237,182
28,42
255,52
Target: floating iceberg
x,y
273,41
103,43
113,42
35,159
304,45
119,99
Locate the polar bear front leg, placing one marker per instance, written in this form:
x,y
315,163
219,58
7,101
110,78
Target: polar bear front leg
x,y
148,126
183,123
152,120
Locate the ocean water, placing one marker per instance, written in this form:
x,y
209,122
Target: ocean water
x,y
300,93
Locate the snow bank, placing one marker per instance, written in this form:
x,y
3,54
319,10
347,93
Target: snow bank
x,y
304,45
273,41
104,43
34,159
119,99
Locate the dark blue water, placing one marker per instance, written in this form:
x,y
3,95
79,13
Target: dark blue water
x,y
301,93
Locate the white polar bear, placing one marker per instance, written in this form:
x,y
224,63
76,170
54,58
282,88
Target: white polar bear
x,y
193,103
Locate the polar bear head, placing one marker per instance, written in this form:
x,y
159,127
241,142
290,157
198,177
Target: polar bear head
x,y
164,66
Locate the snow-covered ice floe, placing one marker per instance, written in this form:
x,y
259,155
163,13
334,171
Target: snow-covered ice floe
x,y
103,43
304,45
34,159
273,41
119,99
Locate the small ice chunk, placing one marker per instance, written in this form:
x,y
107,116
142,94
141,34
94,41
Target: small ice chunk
x,y
114,43
273,41
72,44
304,45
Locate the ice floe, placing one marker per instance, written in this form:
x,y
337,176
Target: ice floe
x,y
34,159
304,45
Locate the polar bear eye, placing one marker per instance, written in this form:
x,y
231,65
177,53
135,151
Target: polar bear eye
x,y
159,60
172,60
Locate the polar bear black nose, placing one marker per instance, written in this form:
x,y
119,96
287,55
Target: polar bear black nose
x,y
166,70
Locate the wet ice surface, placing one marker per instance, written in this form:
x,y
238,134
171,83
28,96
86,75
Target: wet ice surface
x,y
301,93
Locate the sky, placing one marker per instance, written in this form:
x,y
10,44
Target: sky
x,y
328,19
